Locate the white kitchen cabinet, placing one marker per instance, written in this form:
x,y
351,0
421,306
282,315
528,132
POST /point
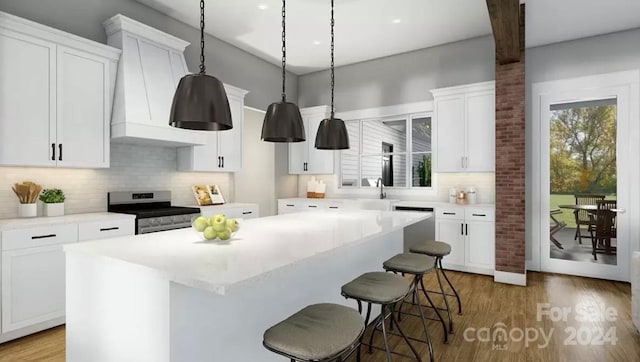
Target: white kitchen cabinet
x,y
223,151
470,231
33,274
55,96
232,210
103,229
465,128
304,158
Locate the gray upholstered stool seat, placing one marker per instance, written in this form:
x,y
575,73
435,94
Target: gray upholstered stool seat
x,y
431,248
410,263
317,332
377,287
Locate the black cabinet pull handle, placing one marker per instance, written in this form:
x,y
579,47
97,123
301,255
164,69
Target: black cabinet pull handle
x,y
222,161
247,212
60,155
290,205
53,152
448,213
466,229
312,205
479,214
333,207
219,161
43,236
109,229
461,229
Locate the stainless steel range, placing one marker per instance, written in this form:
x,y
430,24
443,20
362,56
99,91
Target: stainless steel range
x,y
153,210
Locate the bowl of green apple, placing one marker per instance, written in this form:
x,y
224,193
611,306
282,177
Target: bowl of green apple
x,y
215,227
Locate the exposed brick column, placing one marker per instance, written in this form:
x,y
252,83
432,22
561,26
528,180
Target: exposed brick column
x,y
510,162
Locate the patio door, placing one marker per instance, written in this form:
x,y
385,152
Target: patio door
x,y
587,155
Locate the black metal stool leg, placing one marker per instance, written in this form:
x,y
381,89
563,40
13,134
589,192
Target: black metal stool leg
x,y
446,302
366,323
394,321
433,305
452,288
424,325
384,335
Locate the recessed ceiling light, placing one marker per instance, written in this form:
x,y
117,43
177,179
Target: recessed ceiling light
x,y
316,42
263,6
396,21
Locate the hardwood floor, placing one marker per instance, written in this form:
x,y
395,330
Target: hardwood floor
x,y
485,304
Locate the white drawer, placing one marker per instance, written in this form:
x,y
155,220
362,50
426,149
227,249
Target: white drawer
x,y
39,236
105,229
449,212
480,214
313,205
248,213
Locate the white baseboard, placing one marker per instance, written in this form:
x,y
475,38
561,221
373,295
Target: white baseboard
x,y
510,278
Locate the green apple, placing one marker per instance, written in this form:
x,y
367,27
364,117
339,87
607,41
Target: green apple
x,y
200,223
210,233
224,234
233,225
218,223
220,215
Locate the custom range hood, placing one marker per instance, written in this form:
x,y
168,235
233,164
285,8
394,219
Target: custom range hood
x,y
151,65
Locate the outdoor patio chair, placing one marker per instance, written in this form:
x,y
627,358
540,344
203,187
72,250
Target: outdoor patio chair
x,y
582,216
605,229
556,226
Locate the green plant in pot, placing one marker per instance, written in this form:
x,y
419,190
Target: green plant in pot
x,y
53,200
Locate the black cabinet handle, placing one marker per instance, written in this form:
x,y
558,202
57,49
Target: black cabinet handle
x,y
222,161
219,161
466,229
461,229
312,206
448,213
53,152
60,155
247,212
109,229
43,236
333,207
290,205
479,214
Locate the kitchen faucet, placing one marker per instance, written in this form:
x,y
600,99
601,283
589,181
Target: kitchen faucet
x,y
383,195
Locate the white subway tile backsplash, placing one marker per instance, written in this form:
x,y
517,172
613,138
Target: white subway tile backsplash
x,y
133,167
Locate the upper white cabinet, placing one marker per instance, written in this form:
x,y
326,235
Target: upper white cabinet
x,y
304,158
55,96
465,128
223,151
150,68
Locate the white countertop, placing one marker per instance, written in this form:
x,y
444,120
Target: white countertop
x,y
21,223
261,245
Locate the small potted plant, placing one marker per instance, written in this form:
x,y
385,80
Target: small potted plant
x,y
53,200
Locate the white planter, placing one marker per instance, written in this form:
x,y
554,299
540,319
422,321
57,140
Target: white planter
x,y
27,210
53,209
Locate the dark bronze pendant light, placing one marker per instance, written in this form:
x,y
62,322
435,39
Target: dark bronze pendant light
x,y
332,132
200,102
283,122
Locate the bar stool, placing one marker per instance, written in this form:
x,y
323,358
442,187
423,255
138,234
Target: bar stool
x,y
439,250
417,265
319,332
385,289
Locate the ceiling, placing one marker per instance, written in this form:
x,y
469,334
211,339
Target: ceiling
x,y
369,29
364,29
553,21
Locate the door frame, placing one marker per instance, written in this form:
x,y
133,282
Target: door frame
x,y
625,86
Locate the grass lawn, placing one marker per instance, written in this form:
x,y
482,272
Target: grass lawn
x,y
567,215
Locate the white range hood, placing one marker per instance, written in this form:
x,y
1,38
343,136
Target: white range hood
x,y
151,65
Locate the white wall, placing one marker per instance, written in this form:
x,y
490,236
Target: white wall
x,y
132,168
596,55
256,182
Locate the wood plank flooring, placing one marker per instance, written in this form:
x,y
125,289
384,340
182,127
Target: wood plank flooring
x,y
485,304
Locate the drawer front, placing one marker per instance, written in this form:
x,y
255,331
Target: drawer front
x,y
480,214
39,236
105,229
455,213
249,213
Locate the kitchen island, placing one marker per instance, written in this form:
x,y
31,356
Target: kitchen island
x,y
172,296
